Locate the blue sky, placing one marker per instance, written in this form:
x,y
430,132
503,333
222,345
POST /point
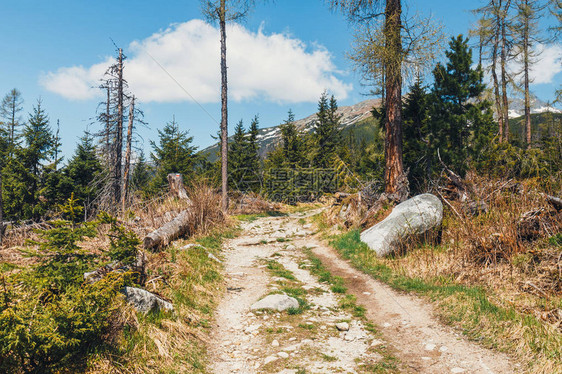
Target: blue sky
x,y
283,56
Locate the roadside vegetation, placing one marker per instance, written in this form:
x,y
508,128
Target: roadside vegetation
x,y
495,276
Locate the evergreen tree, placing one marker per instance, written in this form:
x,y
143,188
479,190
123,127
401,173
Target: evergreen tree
x,y
10,108
38,139
327,134
173,154
254,148
19,198
416,131
461,122
292,144
81,171
141,174
238,157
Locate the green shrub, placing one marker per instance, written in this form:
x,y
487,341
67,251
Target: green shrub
x,y
49,317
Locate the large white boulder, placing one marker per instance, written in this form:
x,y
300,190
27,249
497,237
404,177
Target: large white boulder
x,y
279,302
412,217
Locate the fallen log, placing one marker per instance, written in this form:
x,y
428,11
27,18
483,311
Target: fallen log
x,y
554,201
172,230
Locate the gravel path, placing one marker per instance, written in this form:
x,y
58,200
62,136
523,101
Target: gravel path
x,y
398,331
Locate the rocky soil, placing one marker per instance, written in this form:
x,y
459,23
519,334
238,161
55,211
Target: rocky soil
x,y
328,333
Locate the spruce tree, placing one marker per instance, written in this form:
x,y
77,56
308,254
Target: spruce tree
x,y
81,171
416,136
238,157
173,154
39,140
326,135
141,174
461,122
292,143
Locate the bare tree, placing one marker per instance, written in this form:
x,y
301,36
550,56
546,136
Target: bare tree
x,y
493,26
10,108
223,11
527,30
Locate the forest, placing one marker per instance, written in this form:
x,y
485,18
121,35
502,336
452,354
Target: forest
x,y
72,226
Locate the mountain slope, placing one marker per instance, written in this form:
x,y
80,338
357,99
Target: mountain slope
x,y
269,137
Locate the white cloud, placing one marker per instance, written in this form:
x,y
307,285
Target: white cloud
x,y
549,63
275,67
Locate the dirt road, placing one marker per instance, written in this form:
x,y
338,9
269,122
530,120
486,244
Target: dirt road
x,y
393,332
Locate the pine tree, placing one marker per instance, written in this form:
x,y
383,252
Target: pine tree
x,y
39,141
173,154
82,170
327,134
416,133
292,143
458,116
141,174
238,157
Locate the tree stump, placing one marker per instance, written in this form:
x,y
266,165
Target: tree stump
x,y
177,188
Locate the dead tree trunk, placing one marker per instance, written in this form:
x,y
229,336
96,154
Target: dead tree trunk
x,y
503,57
177,188
118,146
128,154
170,231
224,108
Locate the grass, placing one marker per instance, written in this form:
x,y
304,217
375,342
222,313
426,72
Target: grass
x,y
472,308
171,343
254,217
279,270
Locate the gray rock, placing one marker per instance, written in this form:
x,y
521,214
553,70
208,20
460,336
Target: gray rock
x,y
342,326
144,301
277,302
412,217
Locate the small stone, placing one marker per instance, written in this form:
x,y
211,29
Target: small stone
x,y
292,339
323,327
349,337
426,358
366,293
291,247
291,348
429,347
376,342
269,359
443,349
283,354
275,343
457,370
342,326
386,324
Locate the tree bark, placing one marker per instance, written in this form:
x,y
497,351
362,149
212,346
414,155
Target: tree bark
x,y
394,168
526,79
497,97
503,56
224,108
128,154
177,188
118,146
170,231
